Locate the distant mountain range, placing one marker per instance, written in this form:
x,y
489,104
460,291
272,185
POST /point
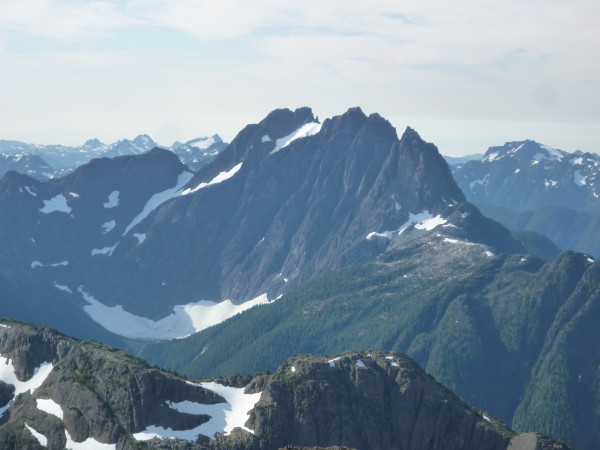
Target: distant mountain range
x,y
529,186
327,237
47,161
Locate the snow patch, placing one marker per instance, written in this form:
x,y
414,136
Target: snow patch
x,y
108,226
553,154
43,440
576,161
88,444
141,237
429,223
158,199
56,204
331,362
360,364
517,170
491,157
224,416
62,287
486,418
488,253
50,406
8,375
579,179
306,130
385,234
481,181
225,175
203,143
422,221
30,191
104,251
183,321
590,259
265,138
113,200
395,364
3,325
549,183
293,369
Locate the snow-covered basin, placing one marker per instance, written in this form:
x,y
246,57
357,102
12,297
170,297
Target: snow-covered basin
x,y
224,416
183,321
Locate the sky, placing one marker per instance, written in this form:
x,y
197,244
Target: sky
x,y
466,74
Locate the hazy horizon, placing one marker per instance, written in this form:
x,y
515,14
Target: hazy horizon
x,y
465,75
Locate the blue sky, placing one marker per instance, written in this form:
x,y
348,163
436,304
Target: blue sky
x,y
466,74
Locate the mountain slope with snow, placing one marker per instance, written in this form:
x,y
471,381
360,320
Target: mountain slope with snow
x,y
527,175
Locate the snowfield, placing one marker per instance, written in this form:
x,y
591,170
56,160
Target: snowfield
x,y
224,416
183,321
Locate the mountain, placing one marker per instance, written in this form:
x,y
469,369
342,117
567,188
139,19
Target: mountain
x,y
532,187
194,153
568,228
55,231
57,392
526,175
329,237
452,160
162,253
199,152
28,163
509,333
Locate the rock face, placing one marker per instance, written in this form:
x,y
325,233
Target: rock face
x,y
87,392
97,392
369,401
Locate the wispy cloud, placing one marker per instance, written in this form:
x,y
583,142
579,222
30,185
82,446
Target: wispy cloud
x,y
66,20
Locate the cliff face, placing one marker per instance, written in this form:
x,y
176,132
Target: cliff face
x,y
368,401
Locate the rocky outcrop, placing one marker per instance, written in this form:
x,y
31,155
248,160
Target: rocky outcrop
x,y
368,401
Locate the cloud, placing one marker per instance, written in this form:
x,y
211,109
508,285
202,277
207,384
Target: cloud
x,y
67,20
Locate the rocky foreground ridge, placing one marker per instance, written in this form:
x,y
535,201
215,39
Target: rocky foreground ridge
x,y
57,392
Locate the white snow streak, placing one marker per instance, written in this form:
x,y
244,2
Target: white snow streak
x,y
331,362
50,406
108,226
308,129
104,251
158,199
56,204
43,440
265,138
225,175
141,237
185,319
422,221
62,287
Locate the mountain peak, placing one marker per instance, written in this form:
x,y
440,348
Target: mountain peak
x,y
527,150
94,143
145,141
